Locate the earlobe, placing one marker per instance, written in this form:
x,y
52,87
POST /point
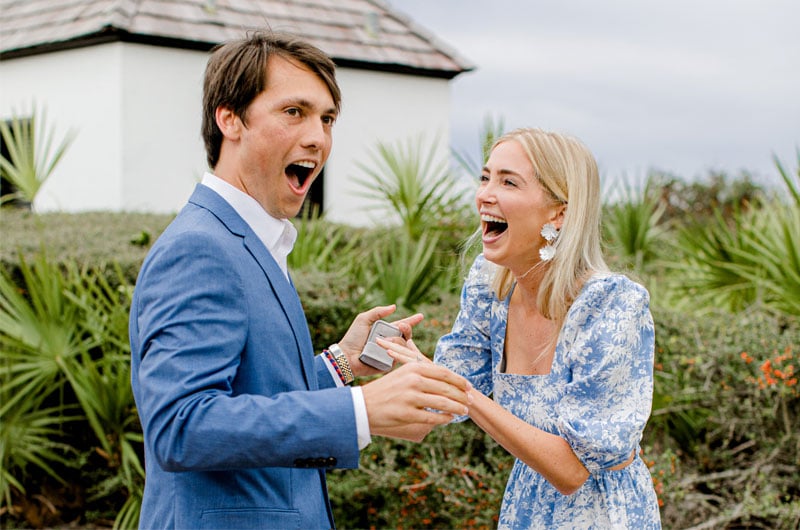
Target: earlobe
x,y
228,122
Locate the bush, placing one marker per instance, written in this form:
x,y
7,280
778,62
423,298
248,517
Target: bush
x,y
454,479
722,439
95,239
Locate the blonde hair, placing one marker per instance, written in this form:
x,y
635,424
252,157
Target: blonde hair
x,y
568,171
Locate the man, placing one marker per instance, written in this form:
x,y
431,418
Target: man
x,y
240,418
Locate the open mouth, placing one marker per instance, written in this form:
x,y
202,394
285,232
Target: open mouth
x,y
299,172
493,226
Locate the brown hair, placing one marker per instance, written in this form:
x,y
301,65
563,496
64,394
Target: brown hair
x,y
236,74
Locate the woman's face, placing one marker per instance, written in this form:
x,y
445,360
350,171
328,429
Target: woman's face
x,y
513,207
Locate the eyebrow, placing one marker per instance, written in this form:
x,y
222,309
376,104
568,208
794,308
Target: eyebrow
x,y
502,171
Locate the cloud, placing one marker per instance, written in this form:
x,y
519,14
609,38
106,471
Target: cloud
x,y
683,86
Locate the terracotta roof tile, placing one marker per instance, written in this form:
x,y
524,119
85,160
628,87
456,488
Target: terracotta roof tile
x,y
361,31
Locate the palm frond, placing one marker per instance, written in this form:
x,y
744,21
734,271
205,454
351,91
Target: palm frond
x,y
33,152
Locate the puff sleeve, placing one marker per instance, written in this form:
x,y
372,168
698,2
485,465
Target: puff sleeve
x,y
609,336
466,350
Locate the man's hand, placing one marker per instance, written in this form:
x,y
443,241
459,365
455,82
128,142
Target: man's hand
x,y
398,403
353,341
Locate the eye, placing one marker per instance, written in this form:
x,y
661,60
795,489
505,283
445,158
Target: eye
x,y
510,182
329,120
483,178
293,111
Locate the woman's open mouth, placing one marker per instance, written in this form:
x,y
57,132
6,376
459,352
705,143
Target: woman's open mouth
x,y
493,227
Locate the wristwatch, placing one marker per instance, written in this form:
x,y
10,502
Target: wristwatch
x,y
344,364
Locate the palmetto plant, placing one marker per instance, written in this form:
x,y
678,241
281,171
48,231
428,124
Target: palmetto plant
x,y
405,271
413,183
30,435
753,257
778,247
631,222
38,332
321,245
101,383
713,259
409,181
37,339
33,153
62,328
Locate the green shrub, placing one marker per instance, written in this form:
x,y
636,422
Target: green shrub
x,y
455,478
95,239
749,253
736,460
65,370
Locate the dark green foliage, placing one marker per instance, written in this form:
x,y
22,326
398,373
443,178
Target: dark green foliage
x,y
95,239
632,223
723,436
455,479
65,371
699,199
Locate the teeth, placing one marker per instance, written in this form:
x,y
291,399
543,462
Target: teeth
x,y
492,219
306,163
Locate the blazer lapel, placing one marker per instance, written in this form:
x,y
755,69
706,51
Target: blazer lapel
x,y
283,288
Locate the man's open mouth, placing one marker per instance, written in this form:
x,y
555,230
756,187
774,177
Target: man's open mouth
x,y
299,172
493,226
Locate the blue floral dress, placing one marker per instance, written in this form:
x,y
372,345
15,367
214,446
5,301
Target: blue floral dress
x,y
597,396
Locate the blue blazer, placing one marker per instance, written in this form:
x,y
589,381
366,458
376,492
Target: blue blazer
x,y
240,419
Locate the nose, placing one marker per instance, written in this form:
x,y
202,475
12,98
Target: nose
x,y
485,193
315,135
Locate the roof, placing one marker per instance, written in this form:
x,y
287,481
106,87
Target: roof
x,y
358,33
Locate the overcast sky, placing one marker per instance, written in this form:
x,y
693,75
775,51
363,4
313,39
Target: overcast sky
x,y
674,85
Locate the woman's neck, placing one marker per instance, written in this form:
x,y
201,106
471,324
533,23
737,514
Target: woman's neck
x,y
528,284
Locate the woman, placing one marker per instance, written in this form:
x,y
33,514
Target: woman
x,y
564,346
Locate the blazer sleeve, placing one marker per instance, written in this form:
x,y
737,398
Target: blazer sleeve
x,y
212,396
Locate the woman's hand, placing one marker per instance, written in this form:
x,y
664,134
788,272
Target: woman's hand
x,y
403,354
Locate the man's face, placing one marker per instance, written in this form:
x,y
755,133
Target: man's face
x,y
278,154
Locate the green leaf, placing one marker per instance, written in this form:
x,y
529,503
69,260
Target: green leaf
x,y
32,157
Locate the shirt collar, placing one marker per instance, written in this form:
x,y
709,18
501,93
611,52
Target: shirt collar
x,y
278,235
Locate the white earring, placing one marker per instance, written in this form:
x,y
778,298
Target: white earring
x,y
550,234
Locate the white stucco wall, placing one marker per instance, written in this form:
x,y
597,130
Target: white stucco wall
x,y
164,157
81,91
379,107
137,113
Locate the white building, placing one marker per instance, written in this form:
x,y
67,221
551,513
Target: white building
x,y
126,75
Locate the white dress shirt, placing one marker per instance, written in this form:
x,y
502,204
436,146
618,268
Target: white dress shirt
x,y
279,235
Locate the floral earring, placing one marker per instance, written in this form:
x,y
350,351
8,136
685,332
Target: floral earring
x,y
550,234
